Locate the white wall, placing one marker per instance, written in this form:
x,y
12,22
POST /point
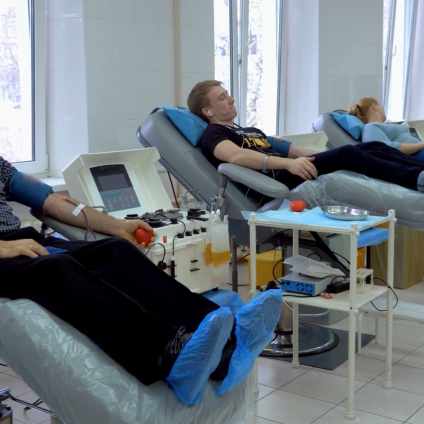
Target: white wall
x,y
111,62
67,132
416,83
130,67
131,63
302,88
351,52
334,57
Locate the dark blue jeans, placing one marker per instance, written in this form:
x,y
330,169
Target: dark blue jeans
x,y
374,159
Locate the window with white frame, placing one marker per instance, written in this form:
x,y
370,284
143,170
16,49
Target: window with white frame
x,y
22,118
247,46
399,19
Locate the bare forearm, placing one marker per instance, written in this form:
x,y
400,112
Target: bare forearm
x,y
97,221
411,148
298,152
254,160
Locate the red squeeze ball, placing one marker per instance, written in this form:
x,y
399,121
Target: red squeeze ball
x,y
143,236
297,205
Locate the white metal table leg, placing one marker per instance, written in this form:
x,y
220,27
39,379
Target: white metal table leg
x,y
350,413
376,331
295,361
389,318
359,339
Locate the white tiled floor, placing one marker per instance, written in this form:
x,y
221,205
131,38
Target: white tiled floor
x,y
307,395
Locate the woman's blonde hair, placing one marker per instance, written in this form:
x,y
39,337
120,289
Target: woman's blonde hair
x,y
360,109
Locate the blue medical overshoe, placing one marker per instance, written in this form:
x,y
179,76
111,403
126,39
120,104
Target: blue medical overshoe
x,y
255,323
200,356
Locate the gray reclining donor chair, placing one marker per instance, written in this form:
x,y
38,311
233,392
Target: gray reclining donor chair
x,y
336,135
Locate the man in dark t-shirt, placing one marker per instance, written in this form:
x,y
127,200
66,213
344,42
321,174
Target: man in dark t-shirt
x,y
223,141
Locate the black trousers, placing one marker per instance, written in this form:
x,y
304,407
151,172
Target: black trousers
x,y
109,291
373,159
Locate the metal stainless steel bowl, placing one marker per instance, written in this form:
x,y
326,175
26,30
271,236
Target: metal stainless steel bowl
x,y
345,213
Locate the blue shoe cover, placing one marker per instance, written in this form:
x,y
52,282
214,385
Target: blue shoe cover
x,y
200,356
255,324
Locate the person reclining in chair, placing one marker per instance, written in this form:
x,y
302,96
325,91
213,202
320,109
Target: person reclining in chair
x,y
372,114
224,141
149,323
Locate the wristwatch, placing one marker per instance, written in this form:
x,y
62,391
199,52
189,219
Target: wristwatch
x,y
264,170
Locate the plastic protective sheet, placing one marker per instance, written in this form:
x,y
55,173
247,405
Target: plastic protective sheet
x,y
358,191
81,384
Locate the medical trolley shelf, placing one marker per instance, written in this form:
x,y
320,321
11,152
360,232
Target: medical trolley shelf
x,y
347,301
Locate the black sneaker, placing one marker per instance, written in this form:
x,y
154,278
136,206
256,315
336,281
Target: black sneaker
x,y
173,349
221,370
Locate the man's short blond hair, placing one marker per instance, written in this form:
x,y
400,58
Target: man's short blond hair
x,y
198,97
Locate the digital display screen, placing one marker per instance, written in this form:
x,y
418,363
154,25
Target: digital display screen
x,y
112,182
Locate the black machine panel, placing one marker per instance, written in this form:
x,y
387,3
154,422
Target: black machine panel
x,y
115,187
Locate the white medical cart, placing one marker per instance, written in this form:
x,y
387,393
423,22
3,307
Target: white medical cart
x,y
350,300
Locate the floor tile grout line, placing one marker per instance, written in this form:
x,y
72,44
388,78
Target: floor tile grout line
x,y
395,388
271,421
309,397
285,384
374,413
335,406
416,412
330,372
410,366
256,401
384,416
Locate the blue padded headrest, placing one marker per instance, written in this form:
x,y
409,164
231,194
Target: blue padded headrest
x,y
350,123
190,125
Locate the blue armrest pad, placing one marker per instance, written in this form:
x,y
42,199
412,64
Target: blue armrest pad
x,y
351,124
28,191
190,125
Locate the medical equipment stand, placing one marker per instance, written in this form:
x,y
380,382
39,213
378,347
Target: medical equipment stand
x,y
347,301
6,413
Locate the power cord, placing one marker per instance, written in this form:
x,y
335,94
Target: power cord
x,y
338,254
273,271
397,299
314,253
161,264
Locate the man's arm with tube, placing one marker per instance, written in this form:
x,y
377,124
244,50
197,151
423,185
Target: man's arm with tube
x,y
63,209
35,194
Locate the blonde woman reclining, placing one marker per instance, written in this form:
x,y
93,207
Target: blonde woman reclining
x,y
372,114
